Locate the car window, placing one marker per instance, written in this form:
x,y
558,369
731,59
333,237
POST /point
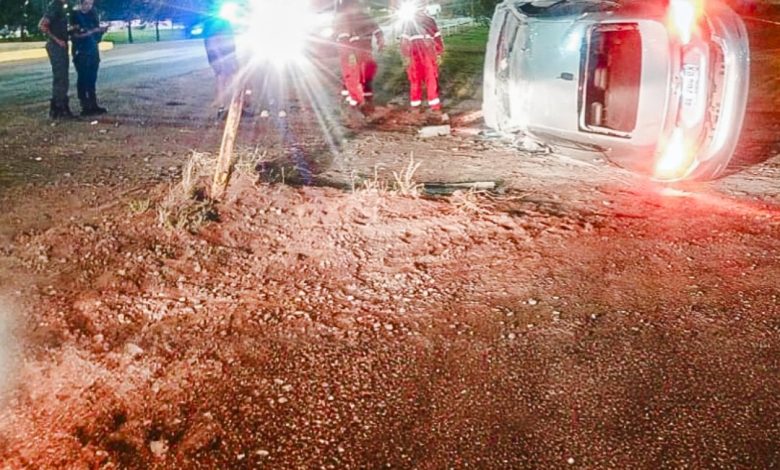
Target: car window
x,y
613,79
566,8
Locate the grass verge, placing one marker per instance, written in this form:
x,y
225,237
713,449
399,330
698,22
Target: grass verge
x,y
145,35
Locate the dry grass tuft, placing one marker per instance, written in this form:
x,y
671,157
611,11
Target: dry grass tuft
x,y
177,213
140,206
247,163
199,167
372,184
186,206
404,181
472,201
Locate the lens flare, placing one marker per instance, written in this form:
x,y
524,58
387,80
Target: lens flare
x,y
278,31
229,11
683,18
676,159
407,11
284,51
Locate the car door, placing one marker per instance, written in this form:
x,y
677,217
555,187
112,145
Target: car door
x,y
505,48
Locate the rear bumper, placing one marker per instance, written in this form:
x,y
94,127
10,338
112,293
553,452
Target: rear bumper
x,y
729,85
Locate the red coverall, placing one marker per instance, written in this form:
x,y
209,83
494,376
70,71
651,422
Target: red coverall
x,y
421,44
355,31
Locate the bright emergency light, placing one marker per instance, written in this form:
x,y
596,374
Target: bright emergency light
x,y
684,18
229,11
407,11
275,31
278,30
676,159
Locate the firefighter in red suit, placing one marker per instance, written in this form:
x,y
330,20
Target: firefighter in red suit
x,y
421,47
355,31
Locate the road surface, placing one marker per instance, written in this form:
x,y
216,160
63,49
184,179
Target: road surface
x,y
29,82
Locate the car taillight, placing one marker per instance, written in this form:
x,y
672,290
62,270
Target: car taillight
x,y
676,158
683,18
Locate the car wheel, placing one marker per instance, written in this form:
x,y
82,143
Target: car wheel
x,y
566,7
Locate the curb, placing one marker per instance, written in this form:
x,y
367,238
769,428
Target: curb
x,y
40,53
21,46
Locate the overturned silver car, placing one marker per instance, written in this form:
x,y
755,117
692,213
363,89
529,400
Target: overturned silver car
x,y
660,86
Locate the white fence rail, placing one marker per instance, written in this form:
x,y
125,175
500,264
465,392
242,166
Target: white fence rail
x,y
446,26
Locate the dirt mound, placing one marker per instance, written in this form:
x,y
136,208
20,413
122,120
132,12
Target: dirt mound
x,y
244,342
314,328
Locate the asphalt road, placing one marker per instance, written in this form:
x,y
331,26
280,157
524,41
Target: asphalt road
x,y
29,82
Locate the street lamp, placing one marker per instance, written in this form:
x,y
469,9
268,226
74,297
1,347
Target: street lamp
x,y
25,20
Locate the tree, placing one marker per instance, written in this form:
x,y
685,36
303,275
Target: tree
x,y
474,8
122,10
21,14
181,11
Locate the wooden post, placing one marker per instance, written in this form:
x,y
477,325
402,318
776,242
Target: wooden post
x,y
226,161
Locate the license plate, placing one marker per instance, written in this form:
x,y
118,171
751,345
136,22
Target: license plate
x,y
690,85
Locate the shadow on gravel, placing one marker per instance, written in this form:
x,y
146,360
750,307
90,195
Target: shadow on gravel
x,y
758,141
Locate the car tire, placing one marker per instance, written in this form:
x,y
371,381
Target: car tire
x,y
566,7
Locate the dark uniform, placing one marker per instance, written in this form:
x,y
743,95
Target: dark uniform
x,y
55,24
221,52
220,46
86,58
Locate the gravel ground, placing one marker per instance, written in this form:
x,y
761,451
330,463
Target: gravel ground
x,y
314,328
580,317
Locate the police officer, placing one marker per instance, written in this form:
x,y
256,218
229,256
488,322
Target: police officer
x,y
54,25
87,34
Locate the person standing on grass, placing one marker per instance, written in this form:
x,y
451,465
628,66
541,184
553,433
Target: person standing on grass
x,y
54,25
355,32
421,48
87,34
